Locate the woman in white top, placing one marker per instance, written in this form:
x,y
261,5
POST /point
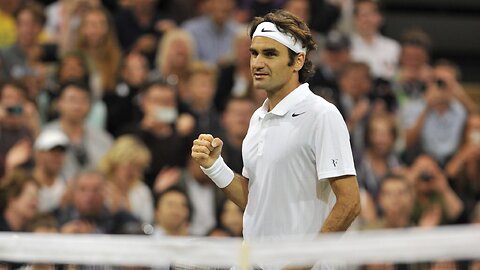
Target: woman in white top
x,y
123,166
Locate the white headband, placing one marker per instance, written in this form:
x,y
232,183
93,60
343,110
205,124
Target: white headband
x,y
270,30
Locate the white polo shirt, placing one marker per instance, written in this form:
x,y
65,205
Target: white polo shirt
x,y
288,154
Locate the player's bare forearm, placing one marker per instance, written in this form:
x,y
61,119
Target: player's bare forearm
x,y
347,206
237,191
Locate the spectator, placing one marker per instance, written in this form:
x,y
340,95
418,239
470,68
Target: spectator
x,y
414,69
235,121
19,124
215,31
368,45
175,52
141,26
72,66
165,133
18,204
50,147
98,40
18,201
123,103
201,83
355,85
63,21
22,58
172,213
436,203
378,158
395,200
234,78
86,210
8,32
204,196
334,58
435,125
123,166
88,144
464,167
231,218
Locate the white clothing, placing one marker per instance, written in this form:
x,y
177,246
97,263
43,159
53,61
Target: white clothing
x,y
141,202
203,202
50,196
381,55
302,140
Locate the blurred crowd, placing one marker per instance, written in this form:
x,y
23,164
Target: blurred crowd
x,y
100,102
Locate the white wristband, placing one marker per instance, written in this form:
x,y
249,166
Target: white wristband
x,y
219,172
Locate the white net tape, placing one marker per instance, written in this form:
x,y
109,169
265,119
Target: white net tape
x,y
353,248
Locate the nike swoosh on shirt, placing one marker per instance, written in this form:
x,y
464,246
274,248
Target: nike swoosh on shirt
x,y
297,114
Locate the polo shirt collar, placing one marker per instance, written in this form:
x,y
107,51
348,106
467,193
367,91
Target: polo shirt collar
x,y
288,102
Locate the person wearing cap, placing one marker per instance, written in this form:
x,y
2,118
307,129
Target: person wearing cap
x,y
334,57
298,178
50,147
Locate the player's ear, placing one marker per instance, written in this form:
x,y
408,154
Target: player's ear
x,y
299,61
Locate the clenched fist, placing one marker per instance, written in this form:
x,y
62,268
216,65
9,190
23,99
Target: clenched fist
x,y
206,150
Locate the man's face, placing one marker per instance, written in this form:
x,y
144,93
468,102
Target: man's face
x,y
158,97
88,194
71,69
236,117
355,82
172,210
413,56
135,71
269,64
395,198
368,19
74,104
51,160
28,28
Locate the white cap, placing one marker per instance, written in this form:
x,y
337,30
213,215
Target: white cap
x,y
49,139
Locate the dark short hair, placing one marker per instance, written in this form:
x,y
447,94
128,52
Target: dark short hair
x,y
448,63
36,10
289,23
12,186
17,84
77,84
373,2
158,83
182,191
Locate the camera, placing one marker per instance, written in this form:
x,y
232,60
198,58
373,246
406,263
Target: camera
x,y
425,176
441,84
15,110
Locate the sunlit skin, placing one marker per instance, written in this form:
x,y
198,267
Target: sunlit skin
x,y
270,70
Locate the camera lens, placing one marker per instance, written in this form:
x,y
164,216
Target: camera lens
x,y
441,84
15,110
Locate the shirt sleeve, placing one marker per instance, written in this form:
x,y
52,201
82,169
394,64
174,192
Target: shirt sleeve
x,y
333,153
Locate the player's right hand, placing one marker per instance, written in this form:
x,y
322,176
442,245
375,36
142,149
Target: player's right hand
x,y
206,150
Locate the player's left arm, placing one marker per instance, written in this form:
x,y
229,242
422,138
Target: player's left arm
x,y
347,206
